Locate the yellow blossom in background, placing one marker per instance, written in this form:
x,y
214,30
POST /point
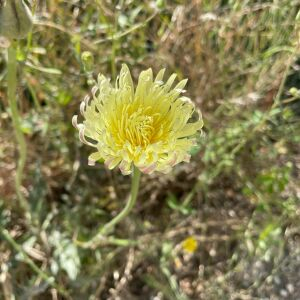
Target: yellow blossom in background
x,y
149,127
190,244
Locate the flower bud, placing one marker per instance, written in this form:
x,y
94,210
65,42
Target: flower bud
x,y
15,19
88,61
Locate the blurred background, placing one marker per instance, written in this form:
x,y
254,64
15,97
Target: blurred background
x,y
226,225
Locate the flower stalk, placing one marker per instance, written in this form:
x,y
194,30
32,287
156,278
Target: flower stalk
x,y
129,205
104,231
11,92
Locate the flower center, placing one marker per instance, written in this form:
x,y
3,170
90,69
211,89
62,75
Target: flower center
x,y
136,125
139,129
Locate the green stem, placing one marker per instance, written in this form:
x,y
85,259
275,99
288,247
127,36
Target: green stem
x,y
114,45
29,36
113,60
129,205
100,237
11,91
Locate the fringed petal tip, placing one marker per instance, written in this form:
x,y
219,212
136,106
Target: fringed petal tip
x,y
82,107
94,90
187,158
75,121
125,167
78,126
173,160
149,169
82,136
91,162
93,158
125,172
112,162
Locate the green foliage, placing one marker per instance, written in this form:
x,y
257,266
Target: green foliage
x,y
65,255
183,208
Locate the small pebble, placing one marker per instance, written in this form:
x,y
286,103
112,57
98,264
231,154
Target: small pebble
x,y
290,288
284,293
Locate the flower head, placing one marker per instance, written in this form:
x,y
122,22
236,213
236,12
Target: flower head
x,y
148,127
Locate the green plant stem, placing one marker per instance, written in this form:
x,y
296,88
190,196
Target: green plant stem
x,y
100,237
11,91
113,55
29,36
129,205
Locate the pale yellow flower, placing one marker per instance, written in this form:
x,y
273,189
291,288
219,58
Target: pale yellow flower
x,y
149,127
